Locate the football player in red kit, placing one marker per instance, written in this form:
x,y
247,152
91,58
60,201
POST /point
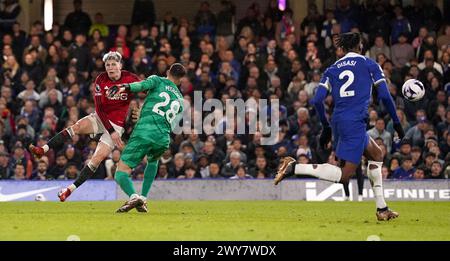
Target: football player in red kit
x,y
108,120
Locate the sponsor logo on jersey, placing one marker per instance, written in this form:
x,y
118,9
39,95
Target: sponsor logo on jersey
x,y
97,88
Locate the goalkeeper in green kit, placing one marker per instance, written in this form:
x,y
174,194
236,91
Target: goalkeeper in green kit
x,y
162,109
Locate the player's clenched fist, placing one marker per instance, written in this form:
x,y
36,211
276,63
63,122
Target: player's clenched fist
x,y
115,89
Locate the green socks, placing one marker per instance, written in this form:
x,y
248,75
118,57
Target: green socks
x,y
124,181
149,176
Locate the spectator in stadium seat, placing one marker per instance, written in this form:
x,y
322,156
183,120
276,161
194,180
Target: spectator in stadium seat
x,y
241,173
51,96
41,173
18,158
443,41
11,70
73,156
163,172
428,62
178,166
406,170
9,11
380,131
167,24
314,21
436,170
214,171
146,40
4,170
260,165
429,158
57,171
230,169
416,133
416,155
19,172
194,140
402,52
31,113
380,47
78,21
419,174
236,145
347,15
23,122
71,171
203,165
79,53
394,164
166,158
29,94
99,25
399,24
225,19
36,46
300,118
205,20
190,172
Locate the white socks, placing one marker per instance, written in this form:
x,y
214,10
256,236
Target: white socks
x,y
322,171
377,182
72,187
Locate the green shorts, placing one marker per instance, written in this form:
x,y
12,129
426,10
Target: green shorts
x,y
151,142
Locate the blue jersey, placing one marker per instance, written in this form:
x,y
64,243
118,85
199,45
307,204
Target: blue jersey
x,y
350,80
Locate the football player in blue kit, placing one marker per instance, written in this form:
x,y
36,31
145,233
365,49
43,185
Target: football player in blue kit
x,y
349,81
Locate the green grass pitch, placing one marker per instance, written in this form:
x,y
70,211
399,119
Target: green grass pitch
x,y
223,221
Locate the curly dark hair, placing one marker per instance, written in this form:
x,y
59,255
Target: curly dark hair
x,y
348,41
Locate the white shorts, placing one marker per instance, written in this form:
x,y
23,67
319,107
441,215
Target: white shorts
x,y
98,127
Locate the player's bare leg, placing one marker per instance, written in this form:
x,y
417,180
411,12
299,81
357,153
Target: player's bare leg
x,y
122,177
101,152
83,126
375,156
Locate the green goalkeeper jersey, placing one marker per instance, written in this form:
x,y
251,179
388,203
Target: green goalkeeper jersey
x,y
163,105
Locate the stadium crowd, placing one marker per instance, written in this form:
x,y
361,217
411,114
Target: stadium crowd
x,y
47,84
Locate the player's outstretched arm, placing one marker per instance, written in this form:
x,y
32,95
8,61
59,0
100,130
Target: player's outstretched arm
x,y
144,85
386,98
383,94
318,100
140,86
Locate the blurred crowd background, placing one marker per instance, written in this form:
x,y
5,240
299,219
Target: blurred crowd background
x,y
47,83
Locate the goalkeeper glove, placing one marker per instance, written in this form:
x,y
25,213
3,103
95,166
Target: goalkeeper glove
x,y
118,89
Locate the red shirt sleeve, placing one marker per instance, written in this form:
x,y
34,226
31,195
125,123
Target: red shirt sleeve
x,y
98,98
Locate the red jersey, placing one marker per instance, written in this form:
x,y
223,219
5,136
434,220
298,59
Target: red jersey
x,y
113,109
